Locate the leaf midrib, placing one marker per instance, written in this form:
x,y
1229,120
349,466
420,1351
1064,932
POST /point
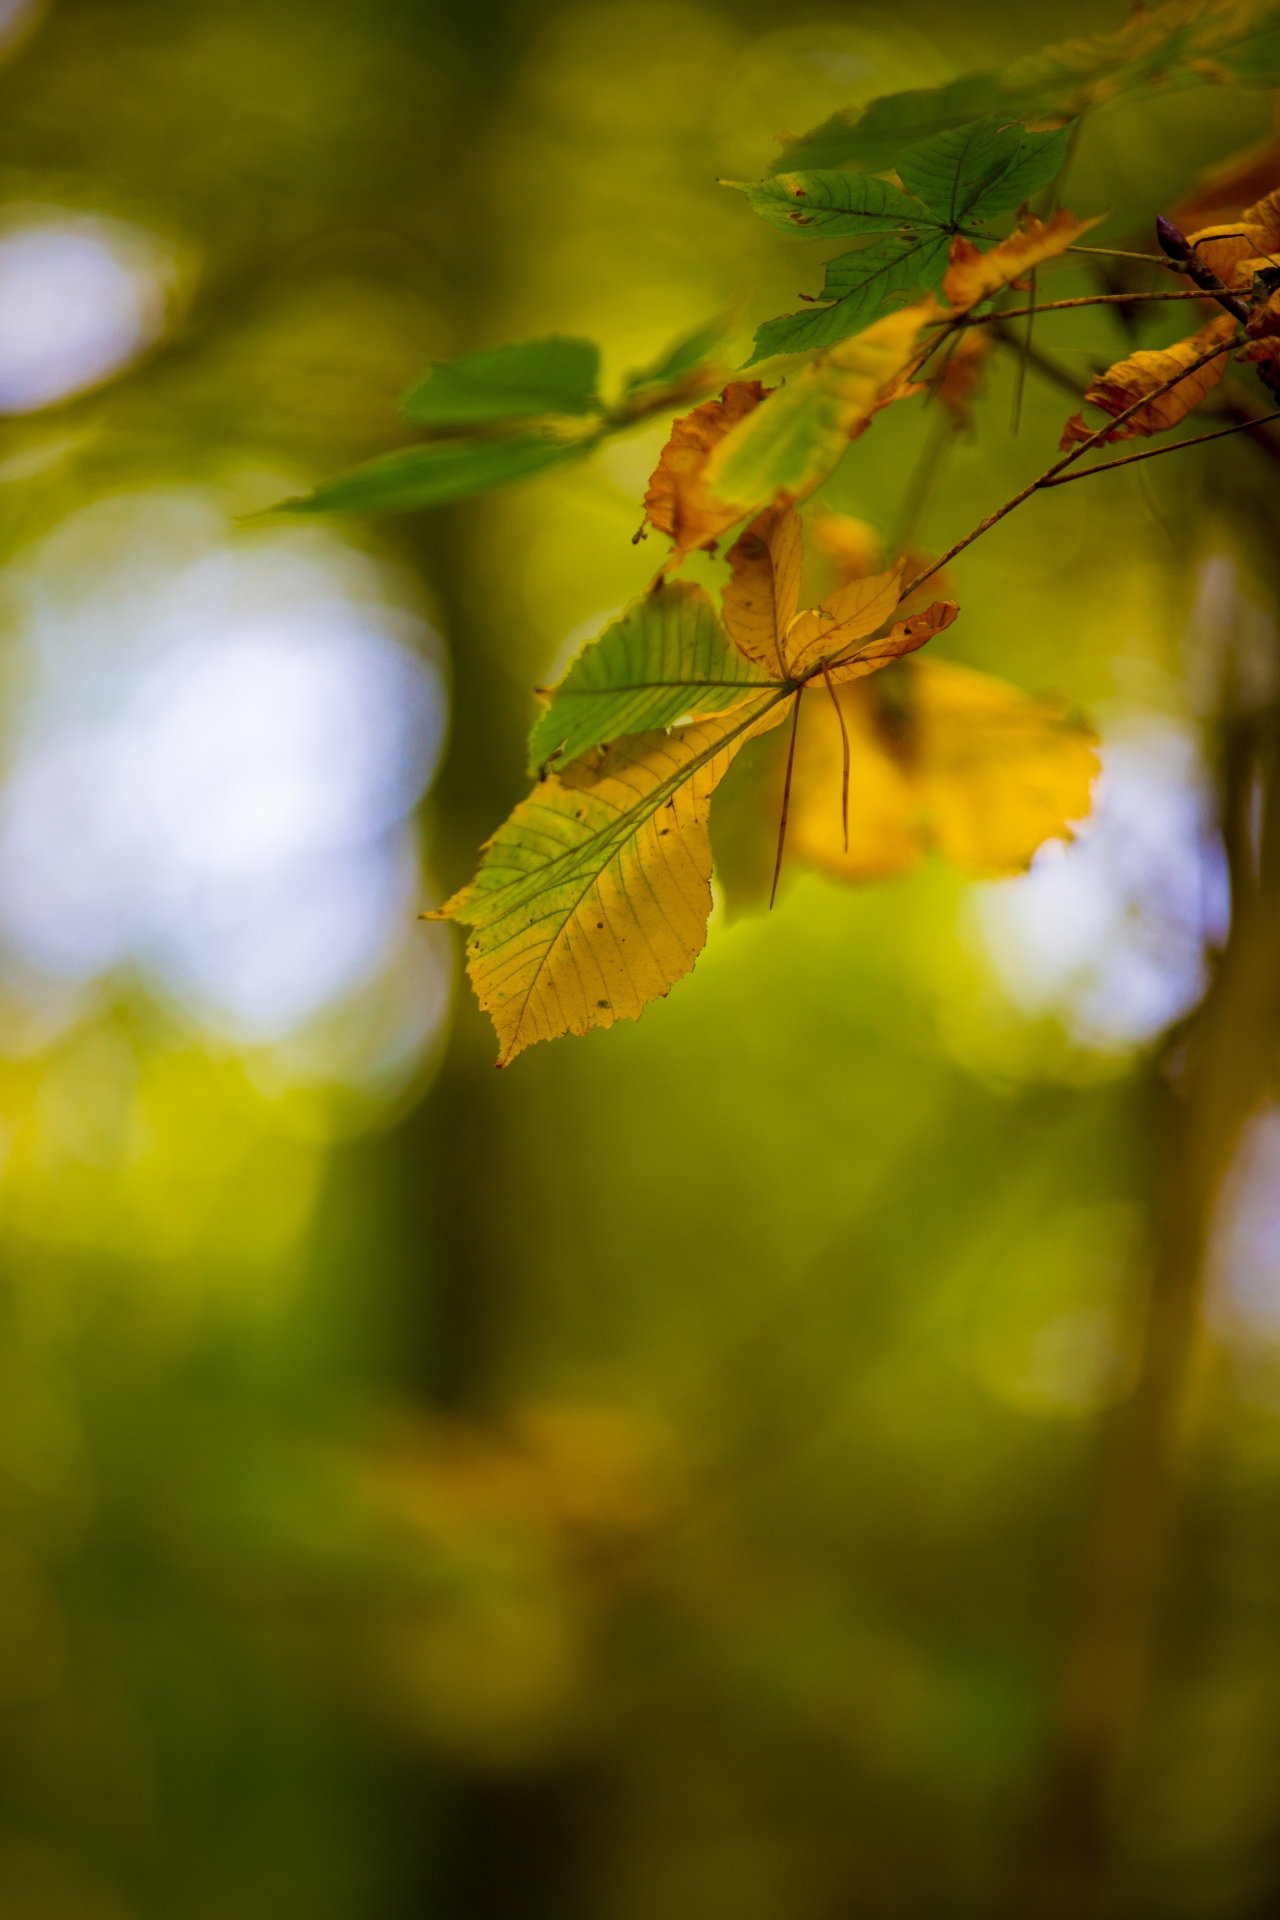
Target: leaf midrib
x,y
508,897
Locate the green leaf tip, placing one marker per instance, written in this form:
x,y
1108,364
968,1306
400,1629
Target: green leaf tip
x,y
676,364
435,474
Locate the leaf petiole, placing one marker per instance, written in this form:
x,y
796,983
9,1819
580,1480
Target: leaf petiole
x,y
844,745
786,795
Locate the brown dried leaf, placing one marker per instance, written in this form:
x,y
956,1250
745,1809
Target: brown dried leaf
x,y
1141,373
678,502
1237,249
1264,319
972,275
962,376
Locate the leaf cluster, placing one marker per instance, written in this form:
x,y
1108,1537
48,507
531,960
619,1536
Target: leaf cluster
x,y
593,898
952,184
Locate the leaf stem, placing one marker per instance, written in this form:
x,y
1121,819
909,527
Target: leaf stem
x,y
1021,380
786,797
844,744
1153,453
1068,460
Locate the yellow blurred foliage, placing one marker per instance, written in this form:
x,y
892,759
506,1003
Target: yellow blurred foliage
x,y
961,762
508,1544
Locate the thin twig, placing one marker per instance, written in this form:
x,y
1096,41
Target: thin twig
x,y
1119,253
1085,300
925,477
786,797
1044,363
1153,453
1021,379
1068,460
844,742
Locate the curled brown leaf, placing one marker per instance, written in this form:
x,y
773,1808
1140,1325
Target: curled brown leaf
x,y
1144,372
1237,249
678,501
961,378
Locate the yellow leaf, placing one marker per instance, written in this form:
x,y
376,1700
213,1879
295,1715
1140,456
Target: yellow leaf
x,y
592,898
678,501
788,446
969,765
884,832
849,614
972,275
1141,373
759,603
998,772
851,546
904,638
763,587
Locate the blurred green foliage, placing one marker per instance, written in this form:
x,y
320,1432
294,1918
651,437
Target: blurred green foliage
x,y
645,1484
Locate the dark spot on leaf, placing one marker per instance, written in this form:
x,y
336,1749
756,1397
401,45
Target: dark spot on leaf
x,y
602,1003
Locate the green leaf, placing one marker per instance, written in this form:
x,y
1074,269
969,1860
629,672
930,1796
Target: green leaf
x,y
436,473
665,658
981,169
682,358
1181,43
859,283
833,204
536,378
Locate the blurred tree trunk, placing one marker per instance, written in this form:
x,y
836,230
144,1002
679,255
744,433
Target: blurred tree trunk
x,y
1211,1078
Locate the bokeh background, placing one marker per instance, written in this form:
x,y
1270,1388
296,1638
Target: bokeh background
x,y
645,1484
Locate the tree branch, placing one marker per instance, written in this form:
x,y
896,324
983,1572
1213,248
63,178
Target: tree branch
x,y
1068,460
1085,300
1153,453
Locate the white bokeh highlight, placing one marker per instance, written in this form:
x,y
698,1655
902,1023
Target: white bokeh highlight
x,y
79,299
213,771
1110,931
